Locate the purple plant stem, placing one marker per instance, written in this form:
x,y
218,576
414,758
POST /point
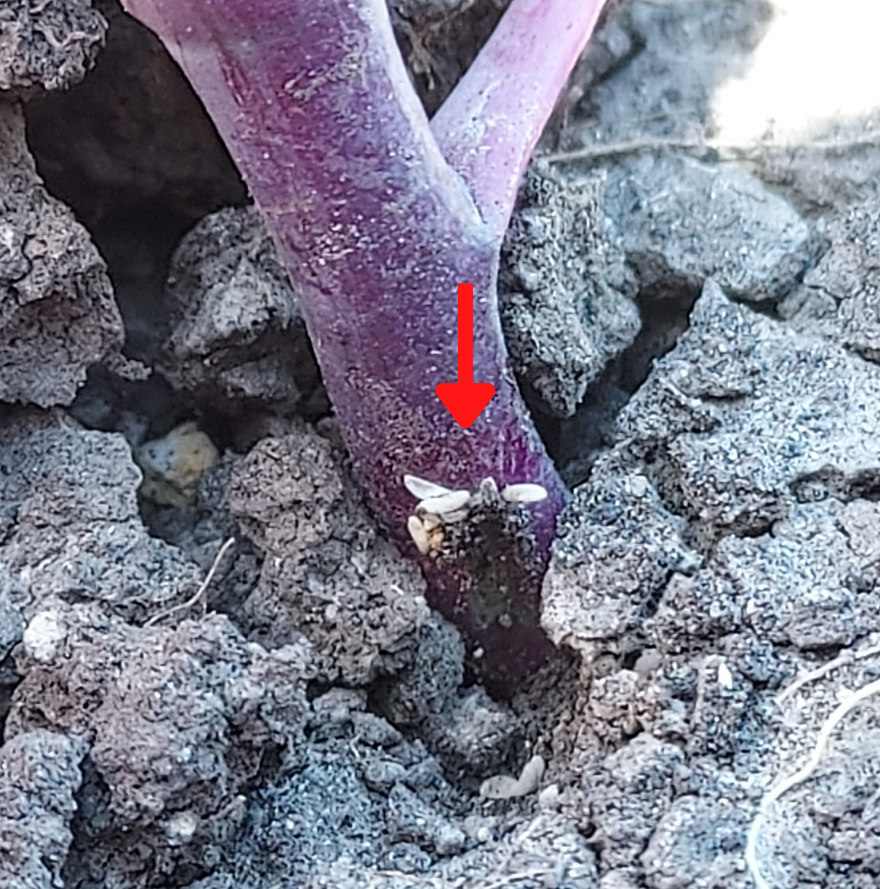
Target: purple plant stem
x,y
489,125
316,108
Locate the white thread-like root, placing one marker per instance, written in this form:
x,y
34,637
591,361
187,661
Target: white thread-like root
x,y
799,777
846,657
198,596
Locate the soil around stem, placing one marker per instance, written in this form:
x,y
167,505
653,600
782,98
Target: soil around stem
x,y
689,290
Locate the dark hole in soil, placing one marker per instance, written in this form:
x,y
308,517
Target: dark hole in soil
x,y
865,486
441,47
665,317
9,679
651,602
137,241
140,163
575,443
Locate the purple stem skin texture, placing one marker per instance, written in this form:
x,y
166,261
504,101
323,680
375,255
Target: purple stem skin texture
x,y
377,228
489,125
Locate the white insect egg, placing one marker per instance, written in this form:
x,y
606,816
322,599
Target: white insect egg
x,y
419,534
422,489
181,827
524,493
44,635
499,787
445,503
505,787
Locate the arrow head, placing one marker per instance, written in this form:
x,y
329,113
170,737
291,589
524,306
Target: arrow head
x,y
465,401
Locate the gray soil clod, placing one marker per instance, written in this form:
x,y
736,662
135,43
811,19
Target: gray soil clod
x,y
566,292
70,525
57,312
675,216
237,331
327,572
176,723
40,778
48,46
307,721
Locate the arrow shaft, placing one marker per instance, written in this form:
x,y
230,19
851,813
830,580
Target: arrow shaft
x,y
465,400
465,333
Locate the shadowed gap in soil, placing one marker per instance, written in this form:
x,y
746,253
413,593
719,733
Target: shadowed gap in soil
x,y
575,442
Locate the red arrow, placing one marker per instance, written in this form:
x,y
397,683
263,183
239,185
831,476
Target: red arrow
x,y
465,399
